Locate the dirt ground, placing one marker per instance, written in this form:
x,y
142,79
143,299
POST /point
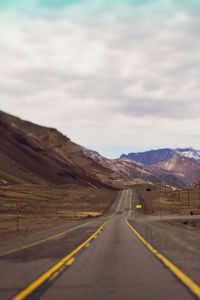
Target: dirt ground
x,y
189,224
164,200
27,208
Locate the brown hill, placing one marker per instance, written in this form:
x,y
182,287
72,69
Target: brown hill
x,y
182,167
34,154
139,172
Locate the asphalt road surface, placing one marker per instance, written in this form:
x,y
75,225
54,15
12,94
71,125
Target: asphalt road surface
x,y
100,259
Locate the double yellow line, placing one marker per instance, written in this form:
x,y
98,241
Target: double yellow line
x,y
188,282
33,286
52,273
67,260
49,238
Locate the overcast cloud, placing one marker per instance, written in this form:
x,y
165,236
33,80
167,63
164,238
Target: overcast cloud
x,y
114,76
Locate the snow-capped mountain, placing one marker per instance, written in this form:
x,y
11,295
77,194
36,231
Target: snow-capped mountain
x,y
161,155
189,153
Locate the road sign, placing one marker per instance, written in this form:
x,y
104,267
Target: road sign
x,y
138,206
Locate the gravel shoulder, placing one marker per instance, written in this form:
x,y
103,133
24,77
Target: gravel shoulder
x,y
173,236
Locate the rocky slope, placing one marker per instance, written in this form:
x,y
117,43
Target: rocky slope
x,y
34,154
179,167
182,167
139,172
177,171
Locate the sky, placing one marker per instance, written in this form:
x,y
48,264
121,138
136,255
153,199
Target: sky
x,y
115,76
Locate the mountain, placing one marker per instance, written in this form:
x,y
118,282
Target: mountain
x,y
124,167
178,170
139,172
189,153
161,155
150,157
35,154
182,167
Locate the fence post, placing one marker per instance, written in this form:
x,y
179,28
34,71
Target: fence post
x,y
160,210
199,191
188,199
17,215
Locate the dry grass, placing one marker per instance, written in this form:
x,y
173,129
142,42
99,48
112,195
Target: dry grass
x,y
164,200
31,207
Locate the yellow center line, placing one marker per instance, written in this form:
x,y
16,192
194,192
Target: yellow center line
x,y
189,283
54,276
128,195
44,240
119,203
33,286
61,269
131,198
51,237
126,198
68,259
70,262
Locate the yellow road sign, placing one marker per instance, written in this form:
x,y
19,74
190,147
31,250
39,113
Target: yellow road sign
x,y
138,206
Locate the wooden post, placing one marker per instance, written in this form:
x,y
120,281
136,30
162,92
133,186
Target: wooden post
x,y
160,210
199,191
17,216
177,198
189,200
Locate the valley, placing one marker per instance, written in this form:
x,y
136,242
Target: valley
x,y
89,258
46,179
72,220
99,150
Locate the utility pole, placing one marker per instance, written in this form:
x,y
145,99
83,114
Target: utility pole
x,y
160,210
199,196
178,194
17,215
188,198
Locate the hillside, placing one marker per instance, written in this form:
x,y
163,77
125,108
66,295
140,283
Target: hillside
x,y
38,155
150,157
140,173
34,154
182,167
160,155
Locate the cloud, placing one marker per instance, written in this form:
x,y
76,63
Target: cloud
x,y
103,72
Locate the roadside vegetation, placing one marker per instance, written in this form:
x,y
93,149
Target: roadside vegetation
x,y
26,207
166,200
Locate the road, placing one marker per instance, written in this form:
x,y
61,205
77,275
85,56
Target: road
x,y
101,259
